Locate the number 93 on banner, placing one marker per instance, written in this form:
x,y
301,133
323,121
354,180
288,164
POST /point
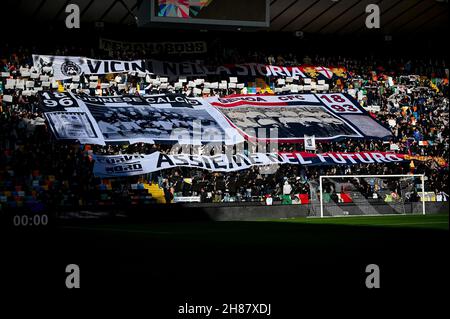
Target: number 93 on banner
x,y
340,104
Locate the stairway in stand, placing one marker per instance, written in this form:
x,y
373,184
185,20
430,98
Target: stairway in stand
x,y
156,191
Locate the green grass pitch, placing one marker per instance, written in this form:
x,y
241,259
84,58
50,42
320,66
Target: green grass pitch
x,y
197,253
438,221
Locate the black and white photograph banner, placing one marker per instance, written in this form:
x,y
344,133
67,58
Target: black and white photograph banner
x,y
73,125
134,119
175,118
324,116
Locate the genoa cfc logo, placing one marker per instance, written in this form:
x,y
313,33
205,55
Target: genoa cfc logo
x,y
70,68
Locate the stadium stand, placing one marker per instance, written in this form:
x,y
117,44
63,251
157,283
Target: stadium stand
x,y
406,94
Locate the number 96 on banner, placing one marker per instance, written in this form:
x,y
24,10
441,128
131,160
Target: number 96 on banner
x,y
57,101
339,104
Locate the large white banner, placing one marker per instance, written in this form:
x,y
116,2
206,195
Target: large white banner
x,y
135,119
129,165
325,116
65,67
195,121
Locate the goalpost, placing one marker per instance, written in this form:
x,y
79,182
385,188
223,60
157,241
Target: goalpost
x,y
341,195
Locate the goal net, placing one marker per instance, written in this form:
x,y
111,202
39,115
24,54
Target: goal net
x,y
367,195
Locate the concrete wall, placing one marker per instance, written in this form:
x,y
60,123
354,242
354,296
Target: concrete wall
x,y
236,211
249,211
256,212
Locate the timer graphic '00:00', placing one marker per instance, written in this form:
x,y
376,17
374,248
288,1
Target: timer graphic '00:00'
x,y
34,220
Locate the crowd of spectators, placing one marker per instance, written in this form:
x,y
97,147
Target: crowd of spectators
x,y
408,96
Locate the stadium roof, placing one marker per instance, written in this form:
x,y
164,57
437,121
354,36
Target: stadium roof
x,y
310,16
326,16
